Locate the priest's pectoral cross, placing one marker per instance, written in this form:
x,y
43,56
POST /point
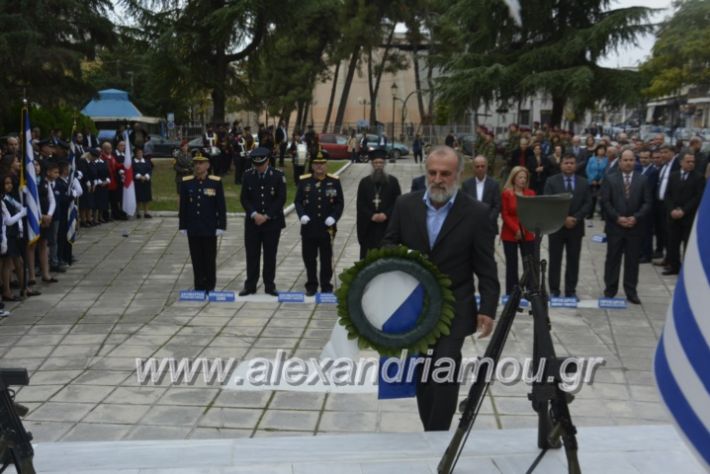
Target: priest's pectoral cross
x,y
377,201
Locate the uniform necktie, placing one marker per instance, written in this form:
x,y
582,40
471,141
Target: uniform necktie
x,y
627,185
685,175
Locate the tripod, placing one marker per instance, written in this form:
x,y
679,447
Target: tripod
x,y
549,401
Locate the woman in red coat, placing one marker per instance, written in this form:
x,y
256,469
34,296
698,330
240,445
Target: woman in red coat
x,y
513,235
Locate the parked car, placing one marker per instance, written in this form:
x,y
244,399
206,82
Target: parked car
x,y
395,150
160,146
336,145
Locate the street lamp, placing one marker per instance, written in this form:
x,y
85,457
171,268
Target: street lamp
x,y
394,99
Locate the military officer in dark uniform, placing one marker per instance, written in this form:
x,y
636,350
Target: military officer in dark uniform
x,y
263,197
319,204
203,216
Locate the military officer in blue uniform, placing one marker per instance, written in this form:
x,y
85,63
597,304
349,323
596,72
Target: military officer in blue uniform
x,y
319,204
263,197
203,217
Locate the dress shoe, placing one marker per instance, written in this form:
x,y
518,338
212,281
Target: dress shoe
x,y
657,254
310,292
246,291
572,295
609,294
58,269
644,260
555,294
662,263
633,299
272,292
669,271
148,216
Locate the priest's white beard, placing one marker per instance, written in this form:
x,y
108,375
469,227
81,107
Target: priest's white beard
x,y
441,194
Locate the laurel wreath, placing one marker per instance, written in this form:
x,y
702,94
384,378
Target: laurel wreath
x,y
433,321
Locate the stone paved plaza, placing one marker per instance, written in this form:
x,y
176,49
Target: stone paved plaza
x,y
81,337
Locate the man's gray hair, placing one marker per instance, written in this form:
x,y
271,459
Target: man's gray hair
x,y
443,150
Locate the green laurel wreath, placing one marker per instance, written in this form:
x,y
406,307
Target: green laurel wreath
x,y
437,311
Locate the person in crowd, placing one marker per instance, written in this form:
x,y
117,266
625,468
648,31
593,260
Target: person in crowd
x,y
649,170
202,218
523,156
353,147
319,204
418,149
514,236
454,231
569,237
669,165
48,207
299,156
539,169
281,136
482,188
12,245
182,164
685,189
101,192
263,196
143,182
376,194
626,199
596,167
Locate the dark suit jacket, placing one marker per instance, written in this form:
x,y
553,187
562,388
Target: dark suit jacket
x,y
418,184
491,196
615,203
651,173
685,195
528,159
463,248
581,202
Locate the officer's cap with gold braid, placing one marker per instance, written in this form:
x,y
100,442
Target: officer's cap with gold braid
x,y
198,156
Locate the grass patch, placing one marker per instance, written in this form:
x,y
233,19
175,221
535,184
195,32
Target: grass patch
x,y
165,196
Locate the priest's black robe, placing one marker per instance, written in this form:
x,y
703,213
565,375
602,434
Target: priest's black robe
x,y
372,199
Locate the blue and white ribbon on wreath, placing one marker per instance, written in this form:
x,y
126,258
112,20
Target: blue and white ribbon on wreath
x,y
391,302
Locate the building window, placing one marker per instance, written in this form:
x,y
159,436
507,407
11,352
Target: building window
x,y
524,117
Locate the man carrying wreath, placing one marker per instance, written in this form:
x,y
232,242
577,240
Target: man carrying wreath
x,y
456,234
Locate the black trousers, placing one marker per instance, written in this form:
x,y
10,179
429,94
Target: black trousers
x,y
115,198
311,247
678,233
628,247
418,156
660,222
255,240
203,253
64,248
647,243
510,249
282,153
437,401
238,168
572,244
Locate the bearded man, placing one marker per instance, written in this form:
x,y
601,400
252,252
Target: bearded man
x,y
456,234
376,195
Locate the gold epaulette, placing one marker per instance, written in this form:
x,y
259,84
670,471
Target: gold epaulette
x,y
214,178
188,178
334,176
305,176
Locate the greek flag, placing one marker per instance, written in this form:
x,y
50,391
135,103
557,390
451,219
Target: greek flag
x,y
392,302
30,185
72,211
683,353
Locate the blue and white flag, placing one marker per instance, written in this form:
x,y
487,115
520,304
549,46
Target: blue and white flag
x,y
28,184
73,210
392,302
683,353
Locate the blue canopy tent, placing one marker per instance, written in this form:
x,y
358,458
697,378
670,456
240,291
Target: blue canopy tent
x,y
111,108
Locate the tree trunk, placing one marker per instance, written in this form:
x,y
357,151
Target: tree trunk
x,y
299,115
375,88
332,97
306,108
558,108
219,98
346,90
430,84
418,85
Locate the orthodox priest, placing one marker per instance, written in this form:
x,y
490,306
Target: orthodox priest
x,y
376,195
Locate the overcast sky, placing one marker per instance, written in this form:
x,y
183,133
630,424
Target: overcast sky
x,y
633,55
